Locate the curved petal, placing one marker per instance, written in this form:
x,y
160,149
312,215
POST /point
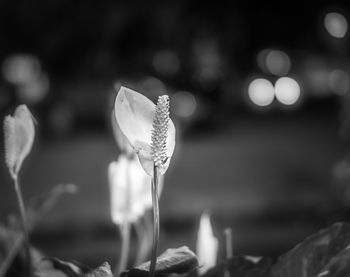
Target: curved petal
x,y
121,140
134,114
171,139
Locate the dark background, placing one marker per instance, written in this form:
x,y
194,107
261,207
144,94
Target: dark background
x,y
274,174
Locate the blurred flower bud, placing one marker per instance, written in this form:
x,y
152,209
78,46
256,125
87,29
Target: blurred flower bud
x,y
207,245
19,134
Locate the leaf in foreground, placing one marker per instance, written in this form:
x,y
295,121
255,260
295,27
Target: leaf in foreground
x,y
338,266
312,255
242,266
103,271
53,267
176,260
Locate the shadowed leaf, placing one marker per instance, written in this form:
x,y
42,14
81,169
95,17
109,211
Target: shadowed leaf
x,y
55,267
338,266
103,271
313,254
178,260
241,266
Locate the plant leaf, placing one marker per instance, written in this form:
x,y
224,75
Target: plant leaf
x,y
103,271
242,266
338,266
313,254
175,260
52,267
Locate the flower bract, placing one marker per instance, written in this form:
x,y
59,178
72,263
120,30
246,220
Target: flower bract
x,y
135,115
19,134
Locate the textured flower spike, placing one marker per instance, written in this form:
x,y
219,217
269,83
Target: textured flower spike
x,y
147,127
19,134
207,245
160,131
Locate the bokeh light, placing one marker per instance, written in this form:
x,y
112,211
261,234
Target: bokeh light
x,y
287,90
339,82
21,69
25,73
34,91
336,24
261,92
277,62
166,63
183,104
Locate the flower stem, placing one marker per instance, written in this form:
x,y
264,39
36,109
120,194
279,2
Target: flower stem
x,y
228,250
144,237
155,221
125,243
24,225
228,243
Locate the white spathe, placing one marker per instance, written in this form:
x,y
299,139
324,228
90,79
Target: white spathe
x,y
134,115
122,141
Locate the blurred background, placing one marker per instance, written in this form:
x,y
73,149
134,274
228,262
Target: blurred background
x,y
259,96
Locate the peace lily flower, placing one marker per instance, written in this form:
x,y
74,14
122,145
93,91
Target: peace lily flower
x,y
19,137
207,245
151,133
147,127
19,134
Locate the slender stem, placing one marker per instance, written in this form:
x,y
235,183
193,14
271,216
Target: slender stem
x,y
125,243
228,248
228,243
155,221
11,255
24,224
143,234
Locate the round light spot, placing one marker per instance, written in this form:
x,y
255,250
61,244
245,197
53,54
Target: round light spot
x,y
336,24
287,91
25,73
339,82
261,92
21,68
183,104
277,63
